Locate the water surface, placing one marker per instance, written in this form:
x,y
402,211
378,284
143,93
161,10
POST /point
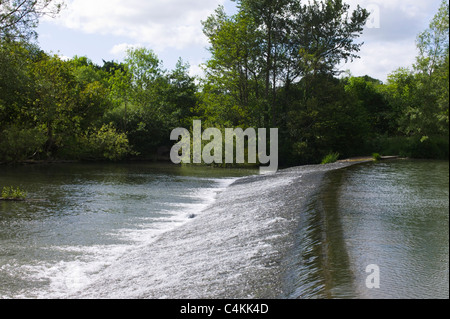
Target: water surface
x,y
126,231
395,215
80,218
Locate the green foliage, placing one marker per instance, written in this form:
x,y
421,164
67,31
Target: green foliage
x,y
15,83
18,144
433,43
273,64
420,95
376,157
368,93
105,144
269,45
434,147
331,158
324,116
149,102
11,193
19,18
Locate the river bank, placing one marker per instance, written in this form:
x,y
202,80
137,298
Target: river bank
x,y
167,161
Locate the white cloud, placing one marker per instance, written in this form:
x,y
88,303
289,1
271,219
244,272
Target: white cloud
x,y
160,24
172,28
378,60
121,49
196,70
416,9
64,58
393,43
399,19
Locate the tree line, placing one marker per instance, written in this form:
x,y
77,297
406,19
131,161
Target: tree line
x,y
272,64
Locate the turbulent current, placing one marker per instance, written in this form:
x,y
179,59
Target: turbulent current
x,y
305,232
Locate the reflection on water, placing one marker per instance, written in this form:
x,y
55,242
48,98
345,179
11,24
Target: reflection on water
x,y
309,232
391,214
82,217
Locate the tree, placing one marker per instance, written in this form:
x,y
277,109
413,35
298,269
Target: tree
x,y
271,18
18,18
144,114
433,43
14,81
21,143
324,33
432,69
369,93
270,45
180,97
104,143
120,93
54,101
422,93
233,88
328,120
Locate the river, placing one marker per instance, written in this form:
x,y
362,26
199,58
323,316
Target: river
x,y
158,231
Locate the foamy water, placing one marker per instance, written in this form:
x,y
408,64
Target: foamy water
x,y
138,231
55,247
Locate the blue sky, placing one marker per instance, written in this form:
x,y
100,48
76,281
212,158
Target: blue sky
x,y
103,29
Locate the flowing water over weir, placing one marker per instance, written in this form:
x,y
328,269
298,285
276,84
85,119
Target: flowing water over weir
x,y
306,232
238,248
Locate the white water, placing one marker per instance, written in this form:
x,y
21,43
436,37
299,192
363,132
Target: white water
x,y
102,224
295,234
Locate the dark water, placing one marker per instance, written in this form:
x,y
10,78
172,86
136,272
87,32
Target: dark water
x,y
123,231
390,214
394,215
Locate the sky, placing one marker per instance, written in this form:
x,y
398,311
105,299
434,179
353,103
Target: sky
x,y
104,29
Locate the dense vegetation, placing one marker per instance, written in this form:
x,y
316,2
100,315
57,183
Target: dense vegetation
x,y
273,64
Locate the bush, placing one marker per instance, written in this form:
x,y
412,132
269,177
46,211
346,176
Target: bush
x,y
330,158
106,143
18,144
433,147
13,193
376,156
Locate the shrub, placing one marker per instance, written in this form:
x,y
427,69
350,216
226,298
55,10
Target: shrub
x,y
106,143
330,158
18,144
376,157
13,193
433,147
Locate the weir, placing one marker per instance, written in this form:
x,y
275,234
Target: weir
x,y
237,248
305,232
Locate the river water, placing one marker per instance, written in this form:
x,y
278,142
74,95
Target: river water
x,y
159,231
